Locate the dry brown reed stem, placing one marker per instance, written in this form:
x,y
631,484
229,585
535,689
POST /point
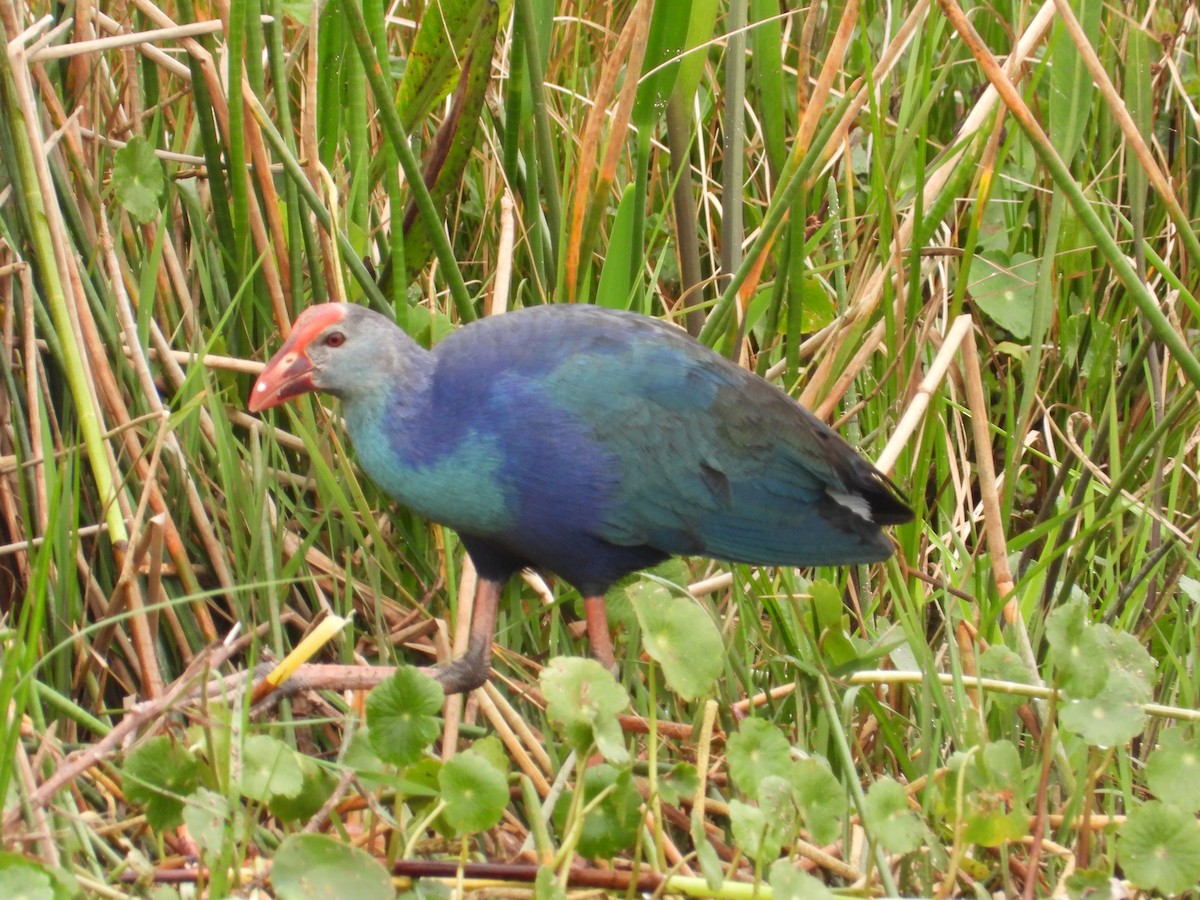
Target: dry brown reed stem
x,y
867,346
139,716
268,251
985,469
866,298
627,56
533,742
309,147
172,538
498,299
110,390
40,828
59,277
957,334
272,206
516,746
1118,109
703,755
830,70
453,706
69,307
125,39
31,364
127,592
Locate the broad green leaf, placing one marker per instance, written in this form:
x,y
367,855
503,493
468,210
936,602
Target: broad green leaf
x,y
1071,88
618,601
1159,848
1142,48
584,698
678,783
710,862
679,635
757,750
492,749
269,769
766,60
660,64
160,774
752,833
995,783
1091,884
828,603
1173,770
790,883
991,824
1003,288
432,66
310,866
822,800
997,767
817,306
546,886
475,792
1125,656
298,10
839,652
702,20
616,277
29,882
316,786
22,878
456,137
362,758
401,715
1115,714
1003,664
1112,718
1078,653
893,821
611,826
137,179
209,820
777,800
1003,763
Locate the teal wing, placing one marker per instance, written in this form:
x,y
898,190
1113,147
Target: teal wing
x,y
715,461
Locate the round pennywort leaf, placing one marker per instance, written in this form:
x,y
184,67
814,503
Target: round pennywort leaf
x,y
269,769
312,865
584,699
679,635
160,774
474,791
895,825
758,749
1173,770
401,715
1159,848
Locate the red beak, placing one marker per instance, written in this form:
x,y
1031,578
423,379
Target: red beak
x,y
288,374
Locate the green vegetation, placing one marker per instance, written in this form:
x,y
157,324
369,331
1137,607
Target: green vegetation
x,y
985,276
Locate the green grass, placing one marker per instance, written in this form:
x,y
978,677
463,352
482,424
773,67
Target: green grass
x,y
872,193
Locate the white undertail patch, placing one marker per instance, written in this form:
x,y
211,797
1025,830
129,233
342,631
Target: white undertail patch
x,y
856,503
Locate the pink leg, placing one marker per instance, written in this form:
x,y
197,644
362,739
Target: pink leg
x,y
598,634
471,669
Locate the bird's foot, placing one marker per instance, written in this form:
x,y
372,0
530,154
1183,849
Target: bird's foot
x,y
462,676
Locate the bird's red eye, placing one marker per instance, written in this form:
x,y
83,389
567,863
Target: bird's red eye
x,y
335,339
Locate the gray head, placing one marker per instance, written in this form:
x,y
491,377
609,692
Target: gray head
x,y
338,348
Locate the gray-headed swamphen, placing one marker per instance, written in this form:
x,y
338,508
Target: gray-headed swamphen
x,y
585,442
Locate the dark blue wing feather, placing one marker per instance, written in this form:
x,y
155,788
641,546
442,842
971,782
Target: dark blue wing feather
x,y
623,441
